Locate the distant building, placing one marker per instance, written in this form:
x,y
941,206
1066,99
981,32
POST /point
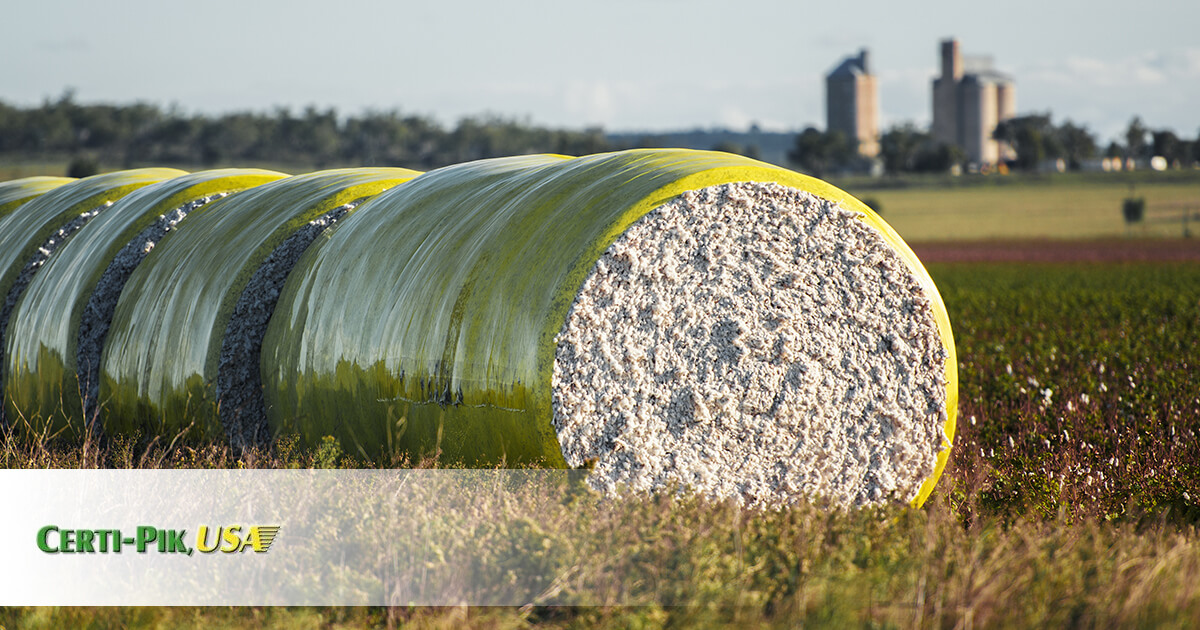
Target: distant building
x,y
852,103
969,100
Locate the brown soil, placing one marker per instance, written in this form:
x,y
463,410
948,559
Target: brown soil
x,y
1115,250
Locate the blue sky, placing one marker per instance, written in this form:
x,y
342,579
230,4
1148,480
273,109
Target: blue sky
x,y
622,64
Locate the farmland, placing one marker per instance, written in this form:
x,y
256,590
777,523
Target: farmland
x,y
1072,497
1073,209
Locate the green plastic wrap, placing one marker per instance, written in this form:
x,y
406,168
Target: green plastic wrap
x,y
45,326
29,227
161,355
15,192
426,322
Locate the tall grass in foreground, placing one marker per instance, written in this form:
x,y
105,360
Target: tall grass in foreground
x,y
1070,500
718,566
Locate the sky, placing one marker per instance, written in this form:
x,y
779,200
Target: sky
x,y
625,65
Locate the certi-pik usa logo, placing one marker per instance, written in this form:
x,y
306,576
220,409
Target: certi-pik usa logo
x,y
147,538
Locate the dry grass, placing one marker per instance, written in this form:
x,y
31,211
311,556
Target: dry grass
x,y
675,562
1018,211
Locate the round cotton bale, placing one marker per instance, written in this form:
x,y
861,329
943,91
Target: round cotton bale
x,y
15,192
59,325
166,348
31,233
663,317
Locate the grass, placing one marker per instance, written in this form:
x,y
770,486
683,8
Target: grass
x,y
1071,500
18,170
1031,210
726,568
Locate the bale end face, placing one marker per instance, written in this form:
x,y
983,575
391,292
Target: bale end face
x,y
753,342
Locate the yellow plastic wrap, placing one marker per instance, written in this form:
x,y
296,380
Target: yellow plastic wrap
x,y
23,231
161,355
45,326
426,321
27,228
15,192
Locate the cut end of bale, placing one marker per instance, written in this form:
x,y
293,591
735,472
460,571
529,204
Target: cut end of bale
x,y
757,343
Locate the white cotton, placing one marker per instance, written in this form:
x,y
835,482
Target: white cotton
x,y
754,342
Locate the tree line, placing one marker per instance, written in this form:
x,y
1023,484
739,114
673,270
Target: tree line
x,y
141,134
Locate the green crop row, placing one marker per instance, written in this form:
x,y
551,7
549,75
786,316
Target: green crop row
x,y
1079,388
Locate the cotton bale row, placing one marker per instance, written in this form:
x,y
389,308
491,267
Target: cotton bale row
x,y
472,287
663,317
64,315
35,227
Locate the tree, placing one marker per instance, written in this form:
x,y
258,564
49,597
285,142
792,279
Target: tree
x,y
1078,144
1135,139
1165,143
1187,152
82,166
938,157
1032,137
817,152
728,146
905,149
1035,138
319,135
898,147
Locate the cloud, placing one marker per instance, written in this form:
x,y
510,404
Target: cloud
x,y
1145,69
1159,86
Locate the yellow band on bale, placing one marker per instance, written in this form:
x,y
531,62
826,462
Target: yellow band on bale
x,y
15,192
30,233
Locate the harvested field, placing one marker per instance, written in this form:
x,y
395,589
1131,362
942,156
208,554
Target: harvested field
x,y
1048,251
1026,210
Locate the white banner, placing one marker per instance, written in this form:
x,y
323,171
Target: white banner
x,y
278,537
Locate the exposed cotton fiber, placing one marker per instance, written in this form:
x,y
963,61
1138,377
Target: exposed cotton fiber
x,y
98,314
239,384
31,267
754,342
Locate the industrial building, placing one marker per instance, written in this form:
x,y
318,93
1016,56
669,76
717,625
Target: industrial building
x,y
969,99
852,103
